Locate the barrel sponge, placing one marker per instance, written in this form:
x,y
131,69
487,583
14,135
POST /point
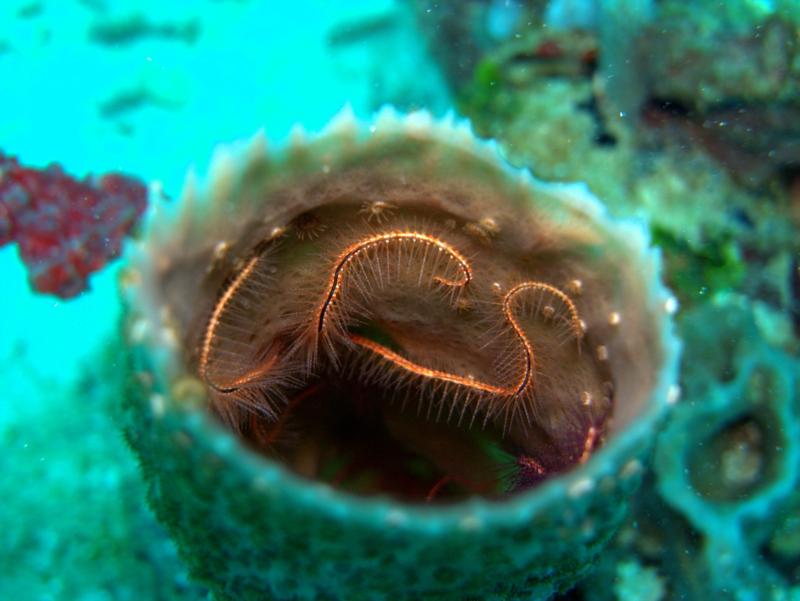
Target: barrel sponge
x,y
729,460
471,321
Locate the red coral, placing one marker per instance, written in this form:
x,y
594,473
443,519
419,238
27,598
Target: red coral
x,y
66,229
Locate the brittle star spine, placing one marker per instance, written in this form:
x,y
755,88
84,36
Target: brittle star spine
x,y
353,251
211,329
526,379
426,372
528,351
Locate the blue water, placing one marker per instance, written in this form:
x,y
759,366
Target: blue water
x,y
73,520
255,65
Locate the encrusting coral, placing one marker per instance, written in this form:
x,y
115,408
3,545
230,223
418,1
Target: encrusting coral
x,y
66,229
367,363
729,459
717,517
687,121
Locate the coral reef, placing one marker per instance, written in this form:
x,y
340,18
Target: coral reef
x,y
522,333
716,180
718,515
74,524
65,229
689,122
738,435
730,85
722,84
701,60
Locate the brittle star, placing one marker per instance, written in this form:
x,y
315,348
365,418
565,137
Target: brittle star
x,y
525,382
354,251
210,335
